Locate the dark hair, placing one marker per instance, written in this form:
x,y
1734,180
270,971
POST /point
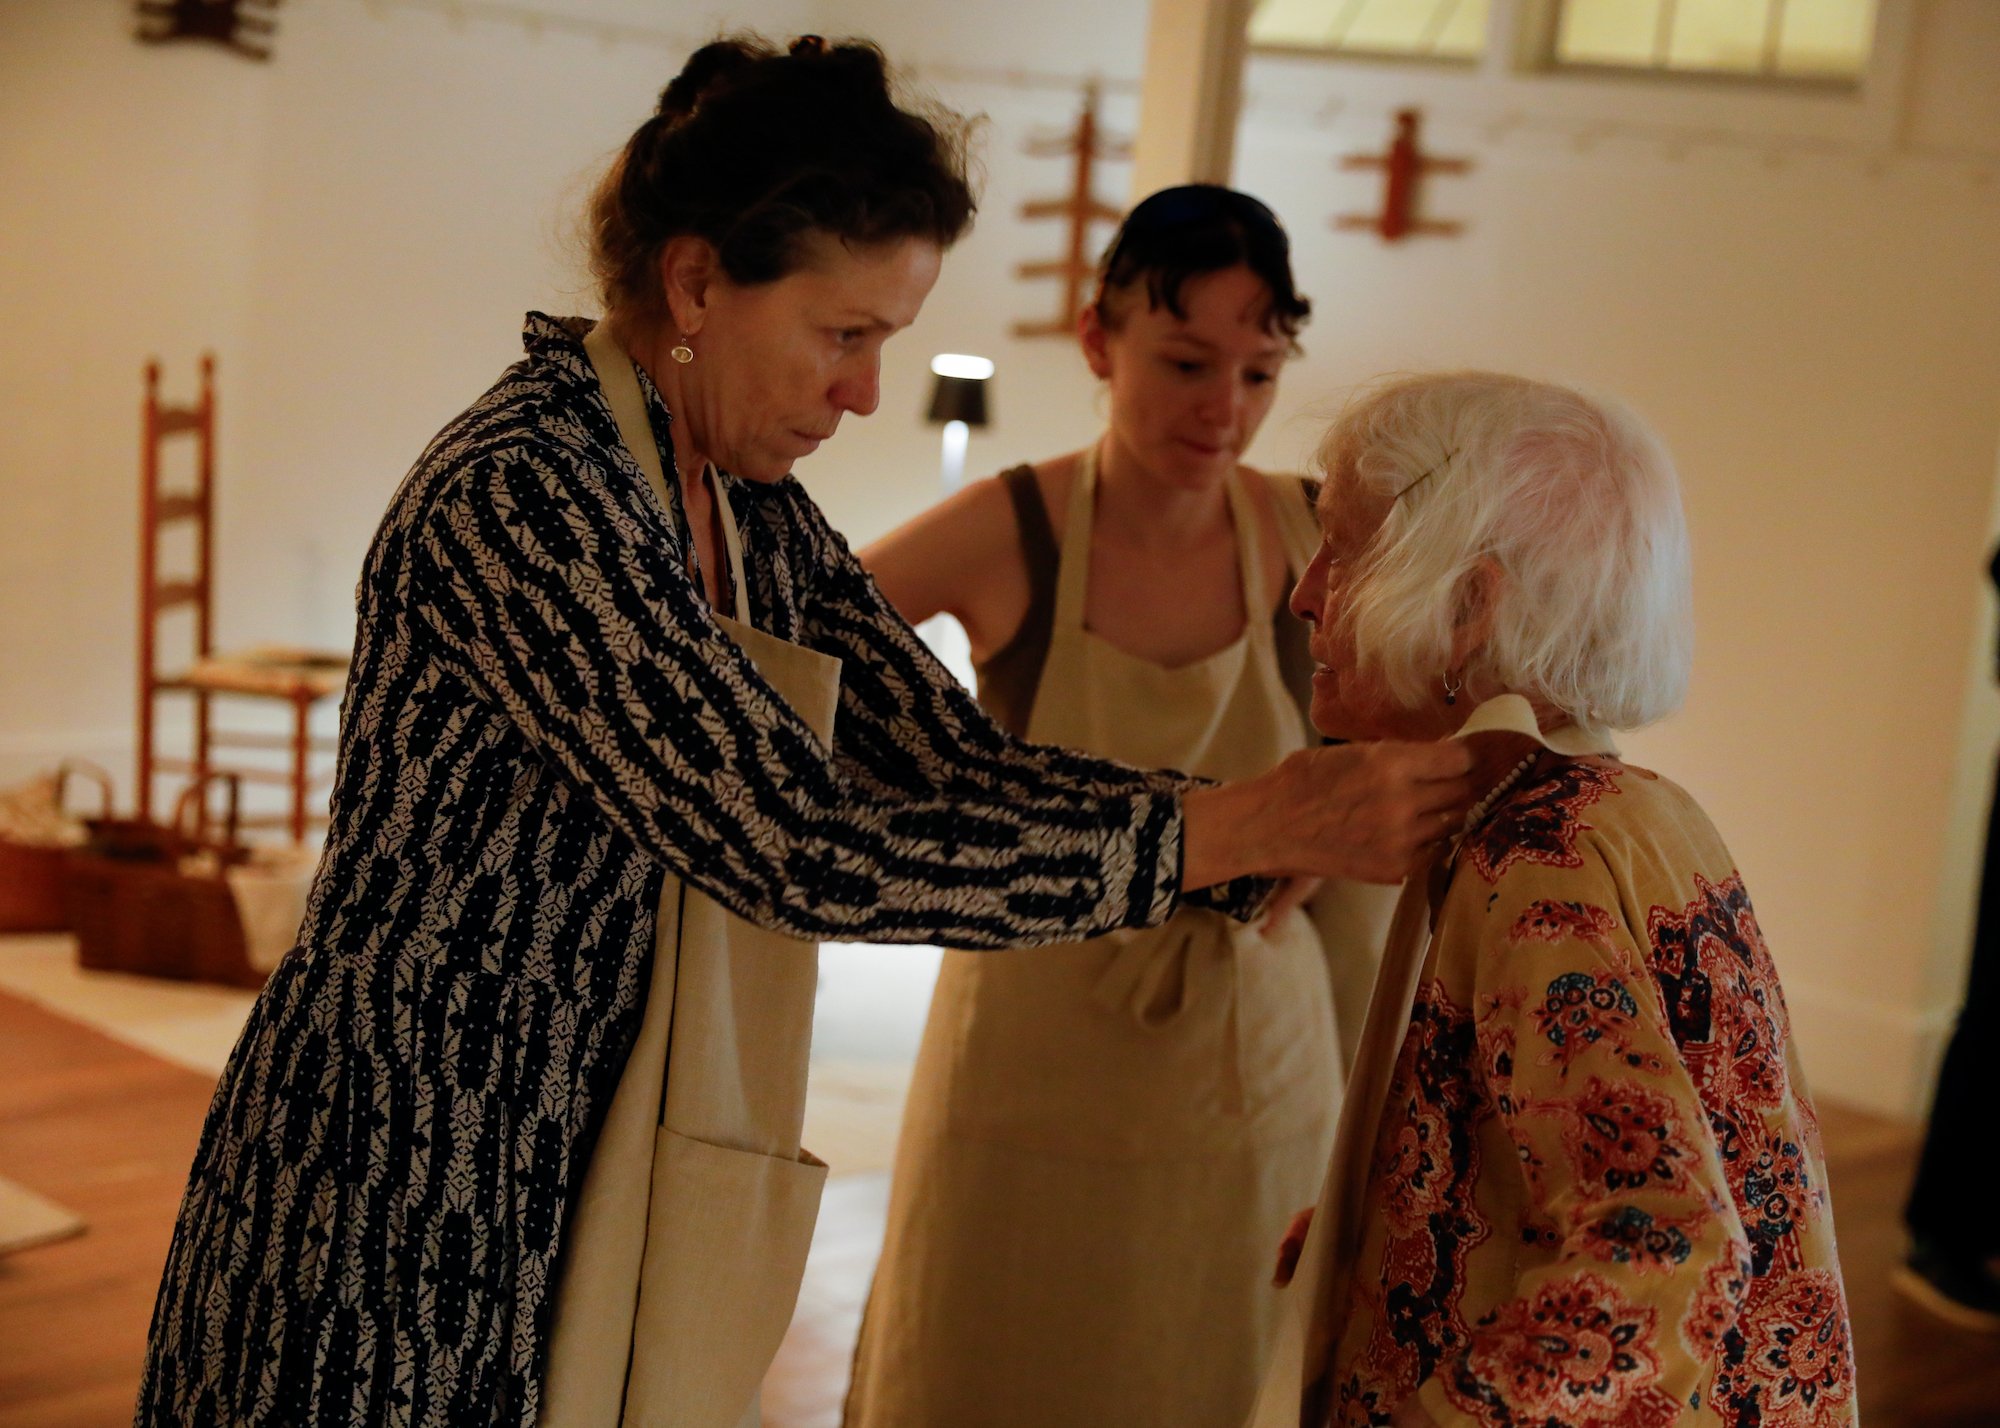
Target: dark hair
x,y
753,149
1180,233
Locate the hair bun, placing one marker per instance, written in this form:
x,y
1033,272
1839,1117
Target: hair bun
x,y
707,70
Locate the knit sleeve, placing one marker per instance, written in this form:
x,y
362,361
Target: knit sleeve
x,y
546,596
908,725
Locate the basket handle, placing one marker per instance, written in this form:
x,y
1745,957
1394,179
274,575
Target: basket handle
x,y
193,800
91,773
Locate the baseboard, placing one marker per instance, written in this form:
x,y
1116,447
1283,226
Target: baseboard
x,y
1874,1057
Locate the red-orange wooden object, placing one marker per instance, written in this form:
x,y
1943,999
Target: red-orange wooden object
x,y
1087,145
1403,167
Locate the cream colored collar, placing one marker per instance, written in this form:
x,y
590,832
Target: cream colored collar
x,y
1512,714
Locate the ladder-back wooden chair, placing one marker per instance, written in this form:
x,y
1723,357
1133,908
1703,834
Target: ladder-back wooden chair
x,y
297,678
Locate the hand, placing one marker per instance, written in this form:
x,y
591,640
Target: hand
x,y
1292,894
1290,1247
1366,811
1369,811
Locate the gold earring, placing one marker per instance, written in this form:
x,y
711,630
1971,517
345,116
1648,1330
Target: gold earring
x,y
681,353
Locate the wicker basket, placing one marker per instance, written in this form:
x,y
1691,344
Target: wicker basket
x,y
31,874
151,899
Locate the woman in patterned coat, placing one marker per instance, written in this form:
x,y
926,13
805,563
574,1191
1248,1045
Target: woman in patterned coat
x,y
546,723
1577,1180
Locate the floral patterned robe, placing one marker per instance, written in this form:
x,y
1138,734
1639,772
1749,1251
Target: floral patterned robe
x,y
1597,1195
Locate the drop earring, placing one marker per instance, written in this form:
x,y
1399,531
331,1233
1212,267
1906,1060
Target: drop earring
x,y
681,353
1451,688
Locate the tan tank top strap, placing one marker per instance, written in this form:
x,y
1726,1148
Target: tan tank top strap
x,y
1244,517
1039,551
1073,570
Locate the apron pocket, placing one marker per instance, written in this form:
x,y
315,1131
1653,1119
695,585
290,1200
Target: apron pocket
x,y
725,1251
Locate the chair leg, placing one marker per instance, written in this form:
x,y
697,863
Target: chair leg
x,y
202,757
301,760
143,793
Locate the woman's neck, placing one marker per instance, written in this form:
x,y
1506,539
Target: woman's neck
x,y
649,347
1140,510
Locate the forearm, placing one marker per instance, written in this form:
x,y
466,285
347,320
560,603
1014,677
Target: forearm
x,y
1223,835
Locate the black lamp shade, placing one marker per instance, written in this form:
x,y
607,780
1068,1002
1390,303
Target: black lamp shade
x,y
958,399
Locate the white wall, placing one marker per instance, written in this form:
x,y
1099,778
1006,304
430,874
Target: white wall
x,y
1802,296
1803,299
129,182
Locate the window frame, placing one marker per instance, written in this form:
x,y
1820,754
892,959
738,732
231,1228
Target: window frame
x,y
1511,84
1551,62
1385,57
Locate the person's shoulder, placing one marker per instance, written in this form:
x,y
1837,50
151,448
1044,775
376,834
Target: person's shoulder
x,y
1595,819
538,409
1545,818
984,517
1288,488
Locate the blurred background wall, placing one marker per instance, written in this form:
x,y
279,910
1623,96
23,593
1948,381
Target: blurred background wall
x,y
1800,292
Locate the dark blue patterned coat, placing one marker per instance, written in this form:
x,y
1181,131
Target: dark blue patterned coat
x,y
543,720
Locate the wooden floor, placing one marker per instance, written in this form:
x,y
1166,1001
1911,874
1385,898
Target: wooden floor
x,y
109,1131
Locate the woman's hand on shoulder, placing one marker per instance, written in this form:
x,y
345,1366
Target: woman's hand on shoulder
x,y
1371,812
960,557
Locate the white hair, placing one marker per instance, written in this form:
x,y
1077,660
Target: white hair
x,y
1572,497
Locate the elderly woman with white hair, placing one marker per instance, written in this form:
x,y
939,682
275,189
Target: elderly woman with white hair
x,y
1577,1179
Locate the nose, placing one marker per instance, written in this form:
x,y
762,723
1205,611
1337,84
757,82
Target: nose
x,y
860,391
1309,595
1221,405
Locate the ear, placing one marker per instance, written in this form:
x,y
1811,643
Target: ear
x,y
1096,342
689,269
1479,595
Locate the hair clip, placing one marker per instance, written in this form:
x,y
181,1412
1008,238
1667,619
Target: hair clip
x,y
1449,456
808,45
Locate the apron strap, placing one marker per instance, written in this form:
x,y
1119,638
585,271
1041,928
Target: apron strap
x,y
628,408
1073,557
1250,560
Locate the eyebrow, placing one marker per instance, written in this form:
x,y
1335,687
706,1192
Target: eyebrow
x,y
1276,349
855,317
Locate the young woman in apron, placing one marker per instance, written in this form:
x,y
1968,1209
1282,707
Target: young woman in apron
x,y
1105,1139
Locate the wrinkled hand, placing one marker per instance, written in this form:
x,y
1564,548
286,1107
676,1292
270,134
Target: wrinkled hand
x,y
1370,811
1367,811
1290,1247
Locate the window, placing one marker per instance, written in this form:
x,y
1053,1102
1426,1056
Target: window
x,y
1825,40
1453,30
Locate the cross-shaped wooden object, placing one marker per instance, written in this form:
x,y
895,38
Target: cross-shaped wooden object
x,y
1086,144
1403,168
239,25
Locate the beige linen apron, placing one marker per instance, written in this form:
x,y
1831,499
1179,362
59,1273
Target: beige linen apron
x,y
683,1256
1105,1139
1311,1318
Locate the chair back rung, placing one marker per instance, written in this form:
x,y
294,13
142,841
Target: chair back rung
x,y
168,421
183,507
169,593
282,777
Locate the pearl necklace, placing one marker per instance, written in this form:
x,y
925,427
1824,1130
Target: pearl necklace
x,y
1479,810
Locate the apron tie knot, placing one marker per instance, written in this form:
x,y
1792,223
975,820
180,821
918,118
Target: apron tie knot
x,y
1156,974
